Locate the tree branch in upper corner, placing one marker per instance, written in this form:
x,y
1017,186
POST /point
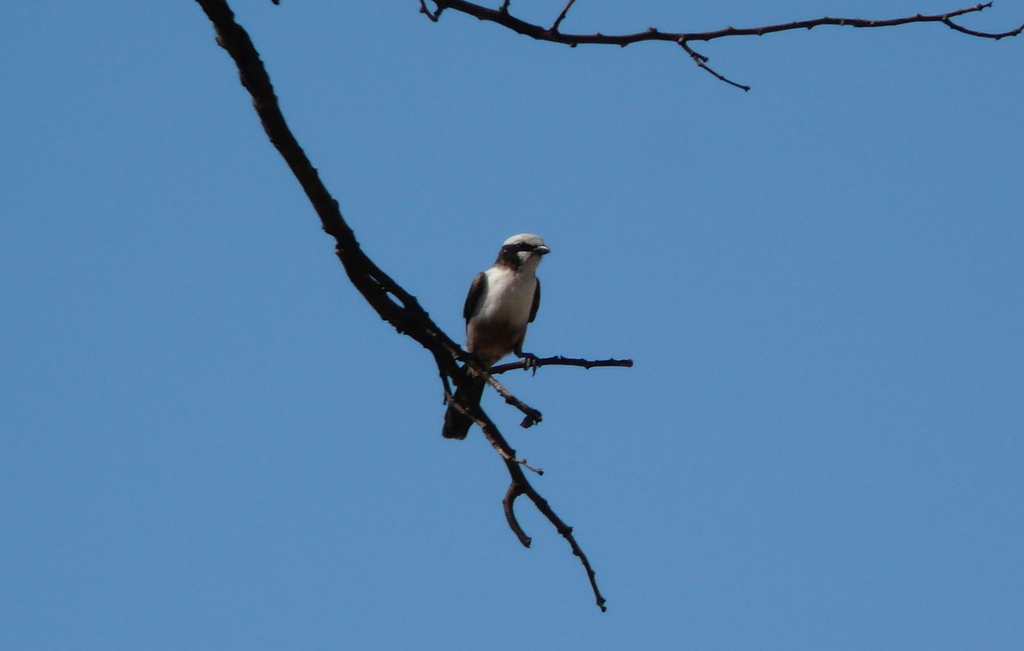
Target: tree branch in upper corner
x,y
502,16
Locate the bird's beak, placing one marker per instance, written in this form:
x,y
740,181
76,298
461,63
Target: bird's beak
x,y
542,250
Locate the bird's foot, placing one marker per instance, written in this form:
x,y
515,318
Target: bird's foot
x,y
530,360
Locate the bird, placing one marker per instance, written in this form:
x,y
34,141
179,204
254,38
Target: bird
x,y
501,303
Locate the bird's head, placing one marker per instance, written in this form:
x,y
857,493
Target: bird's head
x,y
523,251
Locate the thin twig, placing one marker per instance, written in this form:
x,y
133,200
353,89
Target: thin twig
x,y
514,491
524,463
558,360
702,62
432,15
522,487
533,416
993,36
561,16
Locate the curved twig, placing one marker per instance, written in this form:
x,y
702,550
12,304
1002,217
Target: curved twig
x,y
514,491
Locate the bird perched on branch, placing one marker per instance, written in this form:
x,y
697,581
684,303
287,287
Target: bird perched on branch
x,y
502,301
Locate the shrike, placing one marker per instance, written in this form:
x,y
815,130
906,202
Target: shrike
x,y
502,301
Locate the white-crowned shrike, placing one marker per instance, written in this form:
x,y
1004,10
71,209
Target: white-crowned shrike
x,y
502,301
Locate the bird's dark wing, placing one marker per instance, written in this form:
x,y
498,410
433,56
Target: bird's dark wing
x,y
536,302
476,292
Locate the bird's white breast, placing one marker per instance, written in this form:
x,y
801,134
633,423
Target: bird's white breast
x,y
509,297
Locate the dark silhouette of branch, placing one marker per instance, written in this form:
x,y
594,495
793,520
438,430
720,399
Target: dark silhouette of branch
x,y
561,16
702,63
391,301
532,416
432,15
521,486
503,17
558,360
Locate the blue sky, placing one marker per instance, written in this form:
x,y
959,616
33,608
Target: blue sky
x,y
208,440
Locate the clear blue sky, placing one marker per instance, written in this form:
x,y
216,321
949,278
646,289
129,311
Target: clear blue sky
x,y
209,441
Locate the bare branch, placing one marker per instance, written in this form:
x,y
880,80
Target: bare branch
x,y
391,301
522,487
432,15
532,415
505,19
561,16
524,463
994,36
702,62
558,360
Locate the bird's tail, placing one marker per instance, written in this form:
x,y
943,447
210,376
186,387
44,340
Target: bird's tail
x,y
457,424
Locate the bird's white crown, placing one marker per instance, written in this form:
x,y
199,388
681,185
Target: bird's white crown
x,y
525,238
